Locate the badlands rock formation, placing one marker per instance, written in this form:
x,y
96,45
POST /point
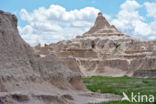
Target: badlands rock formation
x,y
27,78
104,50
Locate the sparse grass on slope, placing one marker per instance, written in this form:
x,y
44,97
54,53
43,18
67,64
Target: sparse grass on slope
x,y
117,47
118,85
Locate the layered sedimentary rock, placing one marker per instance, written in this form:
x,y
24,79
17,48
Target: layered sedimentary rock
x,y
104,50
28,78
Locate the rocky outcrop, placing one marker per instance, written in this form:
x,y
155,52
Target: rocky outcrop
x,y
28,78
104,50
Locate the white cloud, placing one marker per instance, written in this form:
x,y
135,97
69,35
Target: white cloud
x,y
152,25
142,28
130,5
151,9
129,20
47,25
152,37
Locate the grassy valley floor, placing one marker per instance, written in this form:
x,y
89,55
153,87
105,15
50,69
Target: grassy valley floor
x,y
118,85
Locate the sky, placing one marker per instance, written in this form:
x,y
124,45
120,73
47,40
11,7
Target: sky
x,y
50,21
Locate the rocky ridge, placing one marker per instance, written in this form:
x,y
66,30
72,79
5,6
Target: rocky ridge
x,y
104,50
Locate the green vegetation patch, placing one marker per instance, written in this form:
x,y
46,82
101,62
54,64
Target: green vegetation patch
x,y
117,47
118,85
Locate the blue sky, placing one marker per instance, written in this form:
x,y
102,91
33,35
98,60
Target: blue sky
x,y
47,21
106,6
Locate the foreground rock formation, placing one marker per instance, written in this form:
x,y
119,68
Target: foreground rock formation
x,y
27,78
104,50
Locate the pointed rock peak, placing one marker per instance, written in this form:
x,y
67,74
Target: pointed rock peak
x,y
99,14
102,26
101,21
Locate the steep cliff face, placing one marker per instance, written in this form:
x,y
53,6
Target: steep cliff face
x,y
104,50
18,60
15,54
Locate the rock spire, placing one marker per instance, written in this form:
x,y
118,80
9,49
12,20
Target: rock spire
x,y
102,27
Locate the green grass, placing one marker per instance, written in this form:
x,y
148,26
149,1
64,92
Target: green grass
x,y
117,47
118,85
